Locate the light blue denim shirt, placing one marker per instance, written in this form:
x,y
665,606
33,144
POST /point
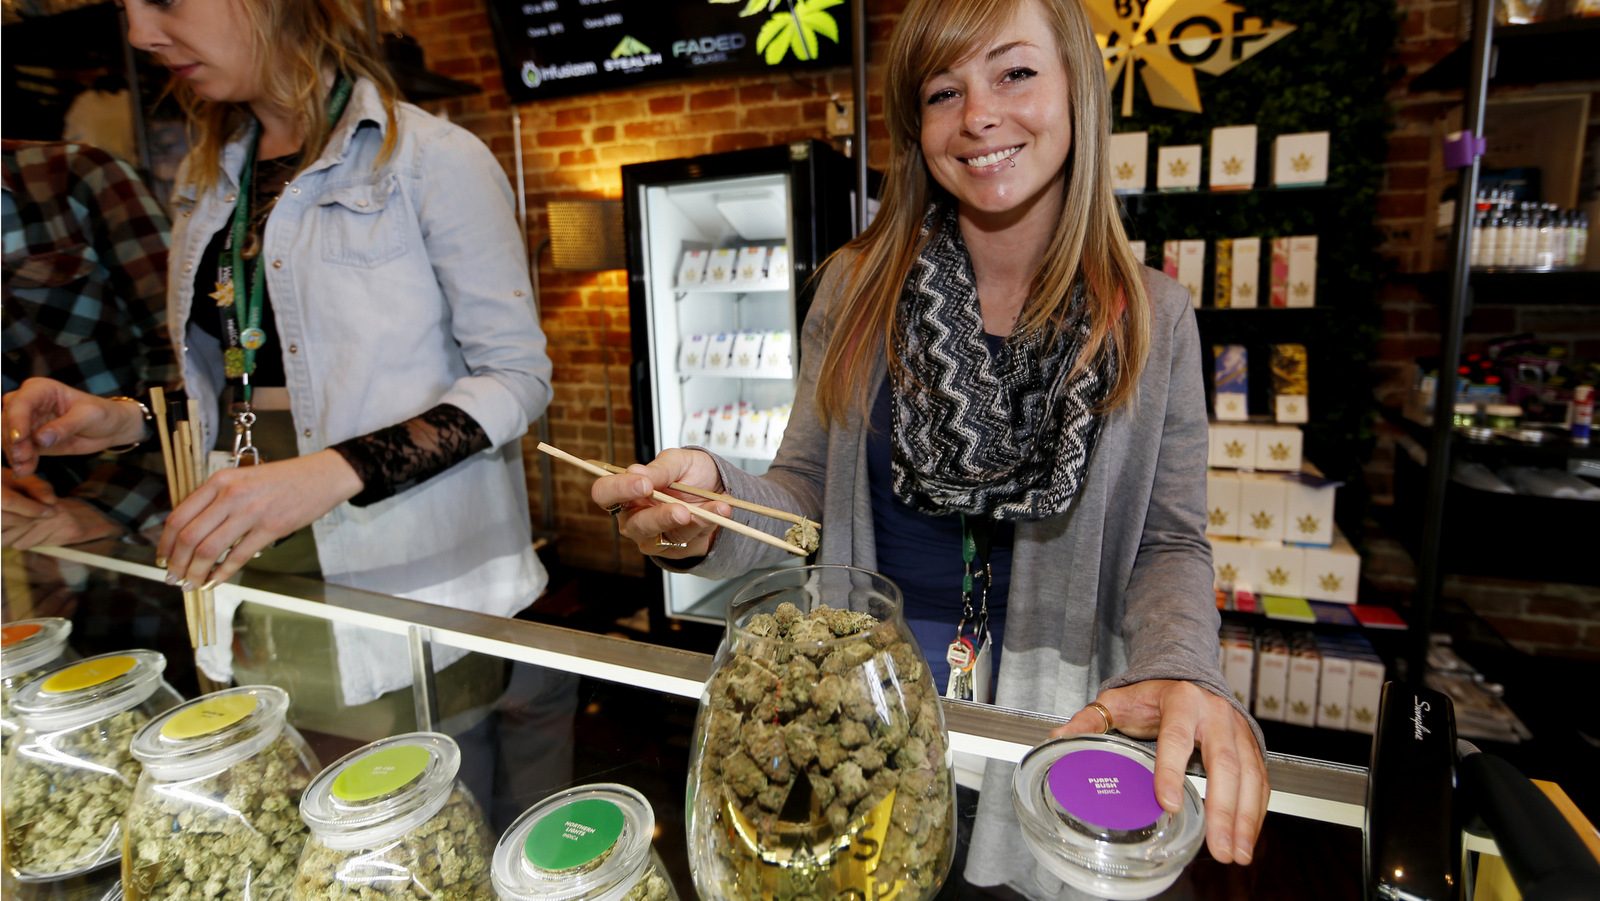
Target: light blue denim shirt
x,y
396,287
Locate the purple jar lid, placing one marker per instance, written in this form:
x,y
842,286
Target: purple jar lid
x,y
1105,789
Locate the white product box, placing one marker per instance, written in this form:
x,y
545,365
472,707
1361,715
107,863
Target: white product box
x,y
722,267
1280,570
1185,262
1238,272
752,271
1238,668
778,270
1234,564
1233,158
1279,448
753,433
1178,168
1308,515
1139,251
1128,154
1291,408
696,429
1333,693
1302,278
719,352
1272,681
1366,688
725,431
746,353
1262,500
777,355
693,270
1232,446
1300,159
1333,573
1305,668
775,428
692,356
1222,502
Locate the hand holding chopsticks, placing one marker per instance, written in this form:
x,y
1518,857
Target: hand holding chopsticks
x,y
600,469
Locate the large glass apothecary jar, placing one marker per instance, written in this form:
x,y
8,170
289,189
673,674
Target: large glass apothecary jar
x,y
216,813
391,819
71,772
28,648
590,843
821,762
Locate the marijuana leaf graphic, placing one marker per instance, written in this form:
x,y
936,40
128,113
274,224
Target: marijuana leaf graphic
x,y
1227,572
796,29
1308,524
1277,576
1279,451
1330,582
1179,168
1362,716
1124,171
1234,449
1301,163
1218,517
1245,290
1301,708
1261,521
1233,165
1301,289
1334,711
1269,702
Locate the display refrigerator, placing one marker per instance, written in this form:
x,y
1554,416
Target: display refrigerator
x,y
721,250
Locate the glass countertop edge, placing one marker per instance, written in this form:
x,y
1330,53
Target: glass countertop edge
x,y
1315,789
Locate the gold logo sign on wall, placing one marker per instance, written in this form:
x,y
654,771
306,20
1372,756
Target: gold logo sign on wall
x,y
1173,38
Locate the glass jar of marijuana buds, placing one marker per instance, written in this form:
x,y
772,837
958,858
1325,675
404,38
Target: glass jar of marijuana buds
x,y
28,648
590,843
71,772
821,762
216,814
391,820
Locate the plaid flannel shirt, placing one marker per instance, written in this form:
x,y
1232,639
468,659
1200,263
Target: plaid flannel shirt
x,y
85,299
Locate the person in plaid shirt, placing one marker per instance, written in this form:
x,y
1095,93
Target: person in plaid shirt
x,y
85,303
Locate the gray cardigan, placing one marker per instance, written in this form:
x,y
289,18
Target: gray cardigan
x,y
1116,590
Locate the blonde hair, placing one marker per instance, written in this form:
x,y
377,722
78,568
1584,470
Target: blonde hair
x,y
294,40
1089,246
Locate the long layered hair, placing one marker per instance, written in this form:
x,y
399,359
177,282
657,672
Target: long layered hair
x,y
1089,245
295,42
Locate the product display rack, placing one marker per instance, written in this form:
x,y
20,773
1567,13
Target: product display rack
x,y
1562,50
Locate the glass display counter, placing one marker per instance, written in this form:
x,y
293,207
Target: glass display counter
x,y
538,708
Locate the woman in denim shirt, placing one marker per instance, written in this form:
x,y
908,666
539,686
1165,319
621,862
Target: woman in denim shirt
x,y
396,325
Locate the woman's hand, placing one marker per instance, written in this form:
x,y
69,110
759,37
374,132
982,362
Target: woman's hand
x,y
34,516
1179,716
238,512
43,416
662,529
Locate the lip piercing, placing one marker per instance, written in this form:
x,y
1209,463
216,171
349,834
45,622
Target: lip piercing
x,y
1012,160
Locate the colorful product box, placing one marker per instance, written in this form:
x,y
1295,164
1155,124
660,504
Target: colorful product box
x,y
1128,154
697,428
777,355
1233,563
1308,512
1300,159
1139,251
1231,366
1272,678
775,429
752,267
753,433
1279,448
720,271
692,356
1294,271
725,431
1178,168
719,352
1189,267
1238,667
1290,387
1280,570
1232,447
1238,272
1305,671
1366,687
746,353
1262,499
1333,573
1222,502
1233,158
693,270
777,270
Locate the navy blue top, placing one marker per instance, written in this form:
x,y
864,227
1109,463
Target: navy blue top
x,y
922,553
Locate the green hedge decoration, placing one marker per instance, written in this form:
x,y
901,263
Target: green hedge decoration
x,y
1332,74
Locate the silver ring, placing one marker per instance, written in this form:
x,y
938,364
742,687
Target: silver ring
x,y
661,541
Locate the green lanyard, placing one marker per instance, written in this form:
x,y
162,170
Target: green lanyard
x,y
240,357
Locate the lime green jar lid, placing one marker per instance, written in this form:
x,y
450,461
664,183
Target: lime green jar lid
x,y
381,791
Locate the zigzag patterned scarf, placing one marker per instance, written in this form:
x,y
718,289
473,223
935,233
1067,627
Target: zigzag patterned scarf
x,y
1004,437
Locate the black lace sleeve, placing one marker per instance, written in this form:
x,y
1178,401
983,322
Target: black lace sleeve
x,y
393,459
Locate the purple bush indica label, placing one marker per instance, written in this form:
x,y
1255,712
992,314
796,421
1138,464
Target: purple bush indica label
x,y
1105,789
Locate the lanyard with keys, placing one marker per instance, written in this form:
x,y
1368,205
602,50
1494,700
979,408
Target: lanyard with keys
x,y
966,654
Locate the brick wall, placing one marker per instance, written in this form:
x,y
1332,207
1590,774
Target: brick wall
x,y
573,148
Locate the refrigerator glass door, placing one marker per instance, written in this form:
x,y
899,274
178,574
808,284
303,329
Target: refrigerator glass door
x,y
722,332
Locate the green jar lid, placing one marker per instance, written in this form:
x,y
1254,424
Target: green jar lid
x,y
590,842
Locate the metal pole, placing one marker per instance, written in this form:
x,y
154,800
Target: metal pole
x,y
1457,307
858,65
547,486
135,97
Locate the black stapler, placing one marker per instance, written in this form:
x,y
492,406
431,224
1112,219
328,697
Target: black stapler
x,y
1412,849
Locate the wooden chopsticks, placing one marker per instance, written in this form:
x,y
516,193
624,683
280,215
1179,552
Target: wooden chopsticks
x,y
183,454
600,469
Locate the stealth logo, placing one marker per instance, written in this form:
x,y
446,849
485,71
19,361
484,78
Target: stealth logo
x,y
629,46
631,55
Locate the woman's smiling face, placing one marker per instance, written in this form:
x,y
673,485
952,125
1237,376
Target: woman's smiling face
x,y
997,125
205,42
